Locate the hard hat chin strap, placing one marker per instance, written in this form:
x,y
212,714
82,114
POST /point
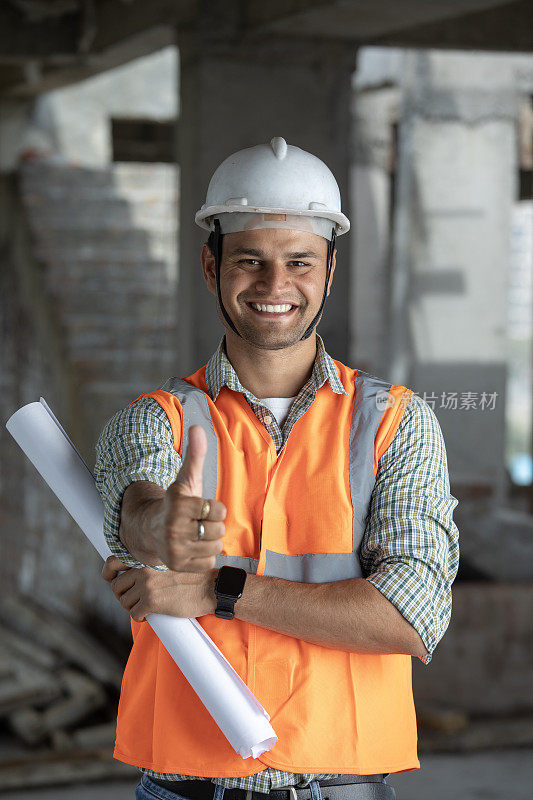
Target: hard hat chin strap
x,y
331,248
217,246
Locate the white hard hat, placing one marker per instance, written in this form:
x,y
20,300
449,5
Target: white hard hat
x,y
273,185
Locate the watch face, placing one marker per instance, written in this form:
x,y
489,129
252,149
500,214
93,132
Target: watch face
x,y
231,580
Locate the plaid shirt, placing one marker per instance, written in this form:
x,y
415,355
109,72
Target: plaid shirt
x,y
409,549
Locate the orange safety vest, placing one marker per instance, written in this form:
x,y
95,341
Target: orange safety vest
x,y
300,516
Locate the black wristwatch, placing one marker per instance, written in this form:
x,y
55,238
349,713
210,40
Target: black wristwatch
x,y
228,588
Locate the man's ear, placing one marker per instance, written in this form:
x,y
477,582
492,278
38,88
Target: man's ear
x,y
333,263
208,268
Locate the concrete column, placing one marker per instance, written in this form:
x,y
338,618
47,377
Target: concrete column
x,y
235,96
455,189
374,102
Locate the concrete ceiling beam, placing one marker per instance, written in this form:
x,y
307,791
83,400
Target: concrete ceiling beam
x,y
52,37
507,28
45,76
356,20
41,54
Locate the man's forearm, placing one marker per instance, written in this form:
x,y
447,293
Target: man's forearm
x,y
140,502
347,615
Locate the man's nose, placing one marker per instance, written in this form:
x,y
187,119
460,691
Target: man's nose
x,y
274,279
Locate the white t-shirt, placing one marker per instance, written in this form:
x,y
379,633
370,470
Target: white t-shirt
x,y
279,406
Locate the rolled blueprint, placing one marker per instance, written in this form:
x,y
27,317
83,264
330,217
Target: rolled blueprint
x,y
239,715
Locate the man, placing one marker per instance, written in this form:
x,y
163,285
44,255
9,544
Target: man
x,y
326,560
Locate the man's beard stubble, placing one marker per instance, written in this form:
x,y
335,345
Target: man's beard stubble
x,y
266,340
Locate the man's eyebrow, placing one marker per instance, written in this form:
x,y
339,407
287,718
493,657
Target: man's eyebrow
x,y
302,254
248,251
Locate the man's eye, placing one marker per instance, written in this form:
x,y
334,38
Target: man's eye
x,y
299,264
253,261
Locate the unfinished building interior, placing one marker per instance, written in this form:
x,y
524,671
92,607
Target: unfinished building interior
x,y
113,115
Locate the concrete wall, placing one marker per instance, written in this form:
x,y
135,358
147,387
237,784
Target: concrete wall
x,y
87,304
440,287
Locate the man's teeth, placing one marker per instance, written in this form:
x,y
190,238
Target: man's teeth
x,y
272,309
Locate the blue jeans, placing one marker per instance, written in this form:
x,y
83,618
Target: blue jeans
x,y
148,790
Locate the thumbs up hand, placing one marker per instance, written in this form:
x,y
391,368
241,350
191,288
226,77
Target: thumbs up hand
x,y
189,480
176,524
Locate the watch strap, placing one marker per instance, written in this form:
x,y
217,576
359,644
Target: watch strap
x,y
225,606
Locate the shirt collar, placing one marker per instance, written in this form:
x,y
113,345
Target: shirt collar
x,y
220,372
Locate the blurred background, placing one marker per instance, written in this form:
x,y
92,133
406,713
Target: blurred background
x,y
113,116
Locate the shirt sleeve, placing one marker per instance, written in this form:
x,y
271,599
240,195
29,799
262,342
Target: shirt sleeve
x,y
136,444
410,548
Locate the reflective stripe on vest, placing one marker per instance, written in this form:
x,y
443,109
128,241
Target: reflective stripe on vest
x,y
196,412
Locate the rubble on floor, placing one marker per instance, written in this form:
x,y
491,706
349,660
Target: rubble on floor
x,y
59,688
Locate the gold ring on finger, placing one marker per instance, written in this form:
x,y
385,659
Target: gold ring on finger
x,y
201,530
206,508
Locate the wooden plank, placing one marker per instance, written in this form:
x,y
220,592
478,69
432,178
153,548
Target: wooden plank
x,y
81,696
94,736
51,769
480,735
27,724
52,631
27,649
24,682
439,719
84,696
27,687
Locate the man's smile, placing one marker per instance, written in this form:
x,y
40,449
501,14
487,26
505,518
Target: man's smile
x,y
272,310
